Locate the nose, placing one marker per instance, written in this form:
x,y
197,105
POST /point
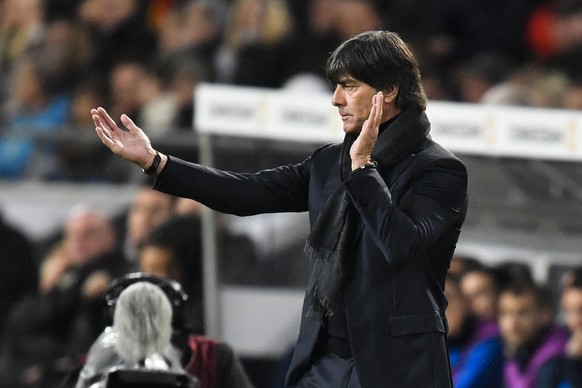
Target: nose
x,y
337,99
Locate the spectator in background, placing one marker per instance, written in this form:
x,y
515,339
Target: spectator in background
x,y
158,105
173,250
33,109
184,79
188,207
356,16
47,330
469,28
548,91
259,44
65,52
86,163
511,270
169,95
238,256
512,91
88,235
125,81
475,349
435,85
190,33
476,75
570,373
321,33
480,287
573,96
148,210
329,23
85,93
192,29
18,268
21,27
532,344
554,35
119,33
61,9
461,263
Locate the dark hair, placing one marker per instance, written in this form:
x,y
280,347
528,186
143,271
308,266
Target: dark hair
x,y
542,296
181,234
572,279
485,270
453,280
382,60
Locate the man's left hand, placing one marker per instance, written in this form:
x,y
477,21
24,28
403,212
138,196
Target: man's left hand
x,y
361,151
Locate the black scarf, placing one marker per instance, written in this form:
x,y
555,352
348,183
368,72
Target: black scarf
x,y
333,232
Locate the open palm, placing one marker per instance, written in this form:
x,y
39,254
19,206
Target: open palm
x,y
361,150
131,143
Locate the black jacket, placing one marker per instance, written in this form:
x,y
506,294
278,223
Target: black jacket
x,y
410,220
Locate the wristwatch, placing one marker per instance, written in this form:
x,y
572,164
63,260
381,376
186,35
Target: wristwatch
x,y
371,164
151,170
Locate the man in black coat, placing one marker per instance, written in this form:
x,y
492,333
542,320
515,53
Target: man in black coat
x,y
386,207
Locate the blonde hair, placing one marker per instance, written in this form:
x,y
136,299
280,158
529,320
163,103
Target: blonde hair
x,y
275,22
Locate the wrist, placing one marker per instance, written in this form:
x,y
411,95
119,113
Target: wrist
x,y
358,163
148,159
154,165
364,166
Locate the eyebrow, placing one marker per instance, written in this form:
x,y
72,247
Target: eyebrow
x,y
344,80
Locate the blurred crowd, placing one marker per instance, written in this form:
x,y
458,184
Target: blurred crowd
x,y
59,58
507,329
53,290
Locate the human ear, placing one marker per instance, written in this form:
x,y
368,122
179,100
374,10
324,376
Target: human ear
x,y
390,94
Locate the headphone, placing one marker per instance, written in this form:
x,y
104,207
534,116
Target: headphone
x,y
171,288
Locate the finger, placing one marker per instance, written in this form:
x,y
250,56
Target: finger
x,y
97,121
365,126
107,119
109,142
376,113
373,118
127,122
105,138
380,97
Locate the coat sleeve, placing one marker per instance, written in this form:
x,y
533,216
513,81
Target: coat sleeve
x,y
434,201
281,189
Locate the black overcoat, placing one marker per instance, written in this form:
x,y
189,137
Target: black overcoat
x,y
410,217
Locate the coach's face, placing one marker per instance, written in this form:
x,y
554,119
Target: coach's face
x,y
354,101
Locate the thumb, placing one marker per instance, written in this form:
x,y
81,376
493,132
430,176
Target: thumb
x,y
127,122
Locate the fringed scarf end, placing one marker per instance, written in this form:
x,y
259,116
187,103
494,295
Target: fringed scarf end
x,y
320,309
315,252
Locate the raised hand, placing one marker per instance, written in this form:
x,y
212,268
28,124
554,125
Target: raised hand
x,y
131,143
361,150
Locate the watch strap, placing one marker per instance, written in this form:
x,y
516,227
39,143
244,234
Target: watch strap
x,y
151,170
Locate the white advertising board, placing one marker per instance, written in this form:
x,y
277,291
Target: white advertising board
x,y
463,128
